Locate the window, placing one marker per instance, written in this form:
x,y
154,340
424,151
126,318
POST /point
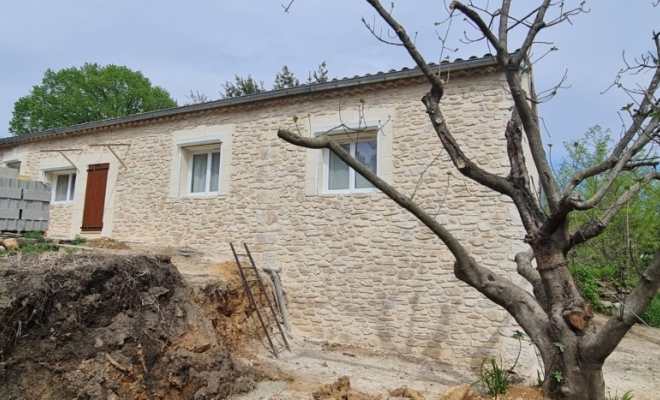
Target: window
x,y
339,177
204,172
65,187
14,165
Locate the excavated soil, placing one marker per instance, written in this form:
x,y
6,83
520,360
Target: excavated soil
x,y
104,326
106,243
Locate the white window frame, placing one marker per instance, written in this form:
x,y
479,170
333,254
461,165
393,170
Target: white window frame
x,y
353,140
70,194
207,185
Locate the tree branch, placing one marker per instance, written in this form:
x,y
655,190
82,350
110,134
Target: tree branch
x,y
464,165
529,209
481,25
504,23
527,271
596,226
520,304
596,348
538,24
433,78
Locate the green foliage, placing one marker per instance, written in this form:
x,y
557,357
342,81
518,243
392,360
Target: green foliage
x,y
652,314
78,240
92,92
589,287
31,248
196,98
285,79
38,235
625,248
320,75
558,376
242,87
626,396
560,346
494,378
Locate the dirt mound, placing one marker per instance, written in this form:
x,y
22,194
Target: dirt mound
x,y
104,326
106,243
341,390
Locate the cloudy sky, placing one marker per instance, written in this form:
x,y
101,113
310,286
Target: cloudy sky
x,y
200,44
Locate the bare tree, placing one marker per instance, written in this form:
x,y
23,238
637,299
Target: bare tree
x,y
556,316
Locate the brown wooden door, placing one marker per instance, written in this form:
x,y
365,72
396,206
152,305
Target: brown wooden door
x,y
97,178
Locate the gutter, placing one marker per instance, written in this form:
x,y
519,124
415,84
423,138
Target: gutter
x,y
485,61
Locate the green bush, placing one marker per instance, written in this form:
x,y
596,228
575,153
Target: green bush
x,y
588,284
38,235
78,240
652,314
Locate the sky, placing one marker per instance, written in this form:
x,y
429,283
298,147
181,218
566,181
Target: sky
x,y
200,44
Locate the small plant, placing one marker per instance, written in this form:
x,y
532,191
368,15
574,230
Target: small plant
x,y
559,377
494,378
626,396
37,235
78,240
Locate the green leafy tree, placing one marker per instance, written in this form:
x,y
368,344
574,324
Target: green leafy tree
x,y
241,87
73,96
285,79
617,256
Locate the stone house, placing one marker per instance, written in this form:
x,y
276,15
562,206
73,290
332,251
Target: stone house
x,y
356,268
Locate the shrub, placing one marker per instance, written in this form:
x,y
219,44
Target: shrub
x,y
652,314
588,284
38,235
78,240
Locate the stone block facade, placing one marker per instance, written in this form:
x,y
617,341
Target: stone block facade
x,y
357,268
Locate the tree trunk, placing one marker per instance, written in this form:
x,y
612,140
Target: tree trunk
x,y
579,380
568,374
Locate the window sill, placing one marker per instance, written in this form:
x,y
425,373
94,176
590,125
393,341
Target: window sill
x,y
61,203
203,195
347,194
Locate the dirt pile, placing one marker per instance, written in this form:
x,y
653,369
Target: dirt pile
x,y
106,243
341,390
104,326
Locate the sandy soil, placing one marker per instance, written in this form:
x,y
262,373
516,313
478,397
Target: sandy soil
x,y
634,364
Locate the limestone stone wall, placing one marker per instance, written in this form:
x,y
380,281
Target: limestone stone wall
x,y
356,268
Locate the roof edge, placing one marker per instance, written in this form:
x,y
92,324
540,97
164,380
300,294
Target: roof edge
x,y
459,64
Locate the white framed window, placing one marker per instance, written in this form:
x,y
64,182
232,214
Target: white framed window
x,y
338,177
64,187
204,172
